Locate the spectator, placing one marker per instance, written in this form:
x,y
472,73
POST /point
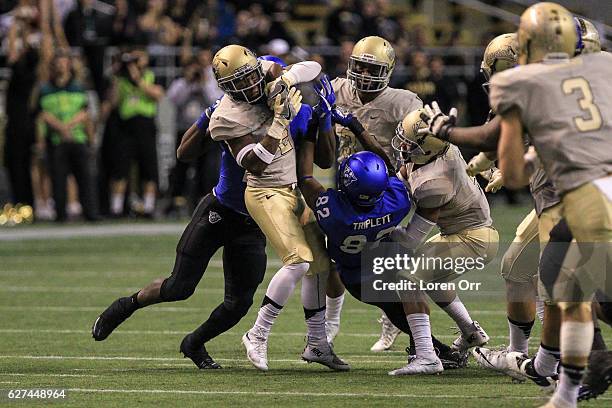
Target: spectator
x,y
23,57
136,96
90,26
156,28
446,92
344,23
63,104
189,95
420,80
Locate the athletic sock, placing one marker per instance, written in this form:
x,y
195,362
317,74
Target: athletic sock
x,y
268,312
421,333
134,299
333,307
540,310
279,289
149,203
566,394
546,360
117,200
519,335
315,323
457,311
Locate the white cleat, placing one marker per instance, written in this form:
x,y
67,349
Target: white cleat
x,y
419,366
331,331
257,349
387,336
323,353
476,338
500,360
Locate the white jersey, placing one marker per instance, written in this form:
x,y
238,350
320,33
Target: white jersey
x,y
233,119
380,116
443,183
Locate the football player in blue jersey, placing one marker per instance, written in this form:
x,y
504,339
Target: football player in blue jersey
x,y
366,207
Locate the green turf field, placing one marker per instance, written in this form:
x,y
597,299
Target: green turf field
x,y
52,291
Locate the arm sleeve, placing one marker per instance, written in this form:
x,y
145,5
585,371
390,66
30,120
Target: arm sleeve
x,y
303,72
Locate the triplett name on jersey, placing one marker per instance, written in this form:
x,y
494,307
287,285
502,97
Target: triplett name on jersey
x,y
372,222
566,109
379,116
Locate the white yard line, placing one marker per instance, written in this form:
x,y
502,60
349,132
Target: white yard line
x,y
87,231
177,332
305,394
45,375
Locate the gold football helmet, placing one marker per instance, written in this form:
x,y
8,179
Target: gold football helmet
x,y
589,41
239,73
500,54
546,28
371,64
412,147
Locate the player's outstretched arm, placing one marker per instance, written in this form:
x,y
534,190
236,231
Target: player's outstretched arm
x,y
325,149
442,126
368,141
309,186
511,150
192,142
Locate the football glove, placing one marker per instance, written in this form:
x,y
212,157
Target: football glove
x,y
438,123
478,164
327,97
495,181
347,120
285,109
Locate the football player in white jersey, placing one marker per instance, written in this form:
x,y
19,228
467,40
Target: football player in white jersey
x,y
253,119
563,104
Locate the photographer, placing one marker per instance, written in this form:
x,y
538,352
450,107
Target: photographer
x,y
188,94
136,96
69,130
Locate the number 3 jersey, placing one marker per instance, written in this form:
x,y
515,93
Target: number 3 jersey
x,y
348,229
566,109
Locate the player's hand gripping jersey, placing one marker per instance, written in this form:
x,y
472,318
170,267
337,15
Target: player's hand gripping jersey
x,y
348,230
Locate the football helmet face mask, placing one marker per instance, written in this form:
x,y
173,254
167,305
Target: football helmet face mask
x,y
546,29
500,54
363,178
411,147
371,64
588,37
239,74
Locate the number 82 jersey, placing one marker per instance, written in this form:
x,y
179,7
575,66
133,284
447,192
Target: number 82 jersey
x,y
349,229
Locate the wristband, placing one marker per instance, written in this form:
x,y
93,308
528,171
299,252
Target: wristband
x,y
243,153
305,178
325,123
263,153
444,133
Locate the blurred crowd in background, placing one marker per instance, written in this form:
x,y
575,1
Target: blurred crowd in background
x,y
86,82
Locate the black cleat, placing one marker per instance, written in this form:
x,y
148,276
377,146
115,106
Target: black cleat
x,y
198,355
526,368
598,376
451,359
112,317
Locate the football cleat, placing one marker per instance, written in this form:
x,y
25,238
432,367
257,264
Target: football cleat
x,y
112,317
451,359
331,331
419,365
387,336
323,353
256,345
476,338
524,367
197,354
598,376
500,360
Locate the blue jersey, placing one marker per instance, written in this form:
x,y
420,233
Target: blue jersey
x,y
299,125
230,187
348,229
